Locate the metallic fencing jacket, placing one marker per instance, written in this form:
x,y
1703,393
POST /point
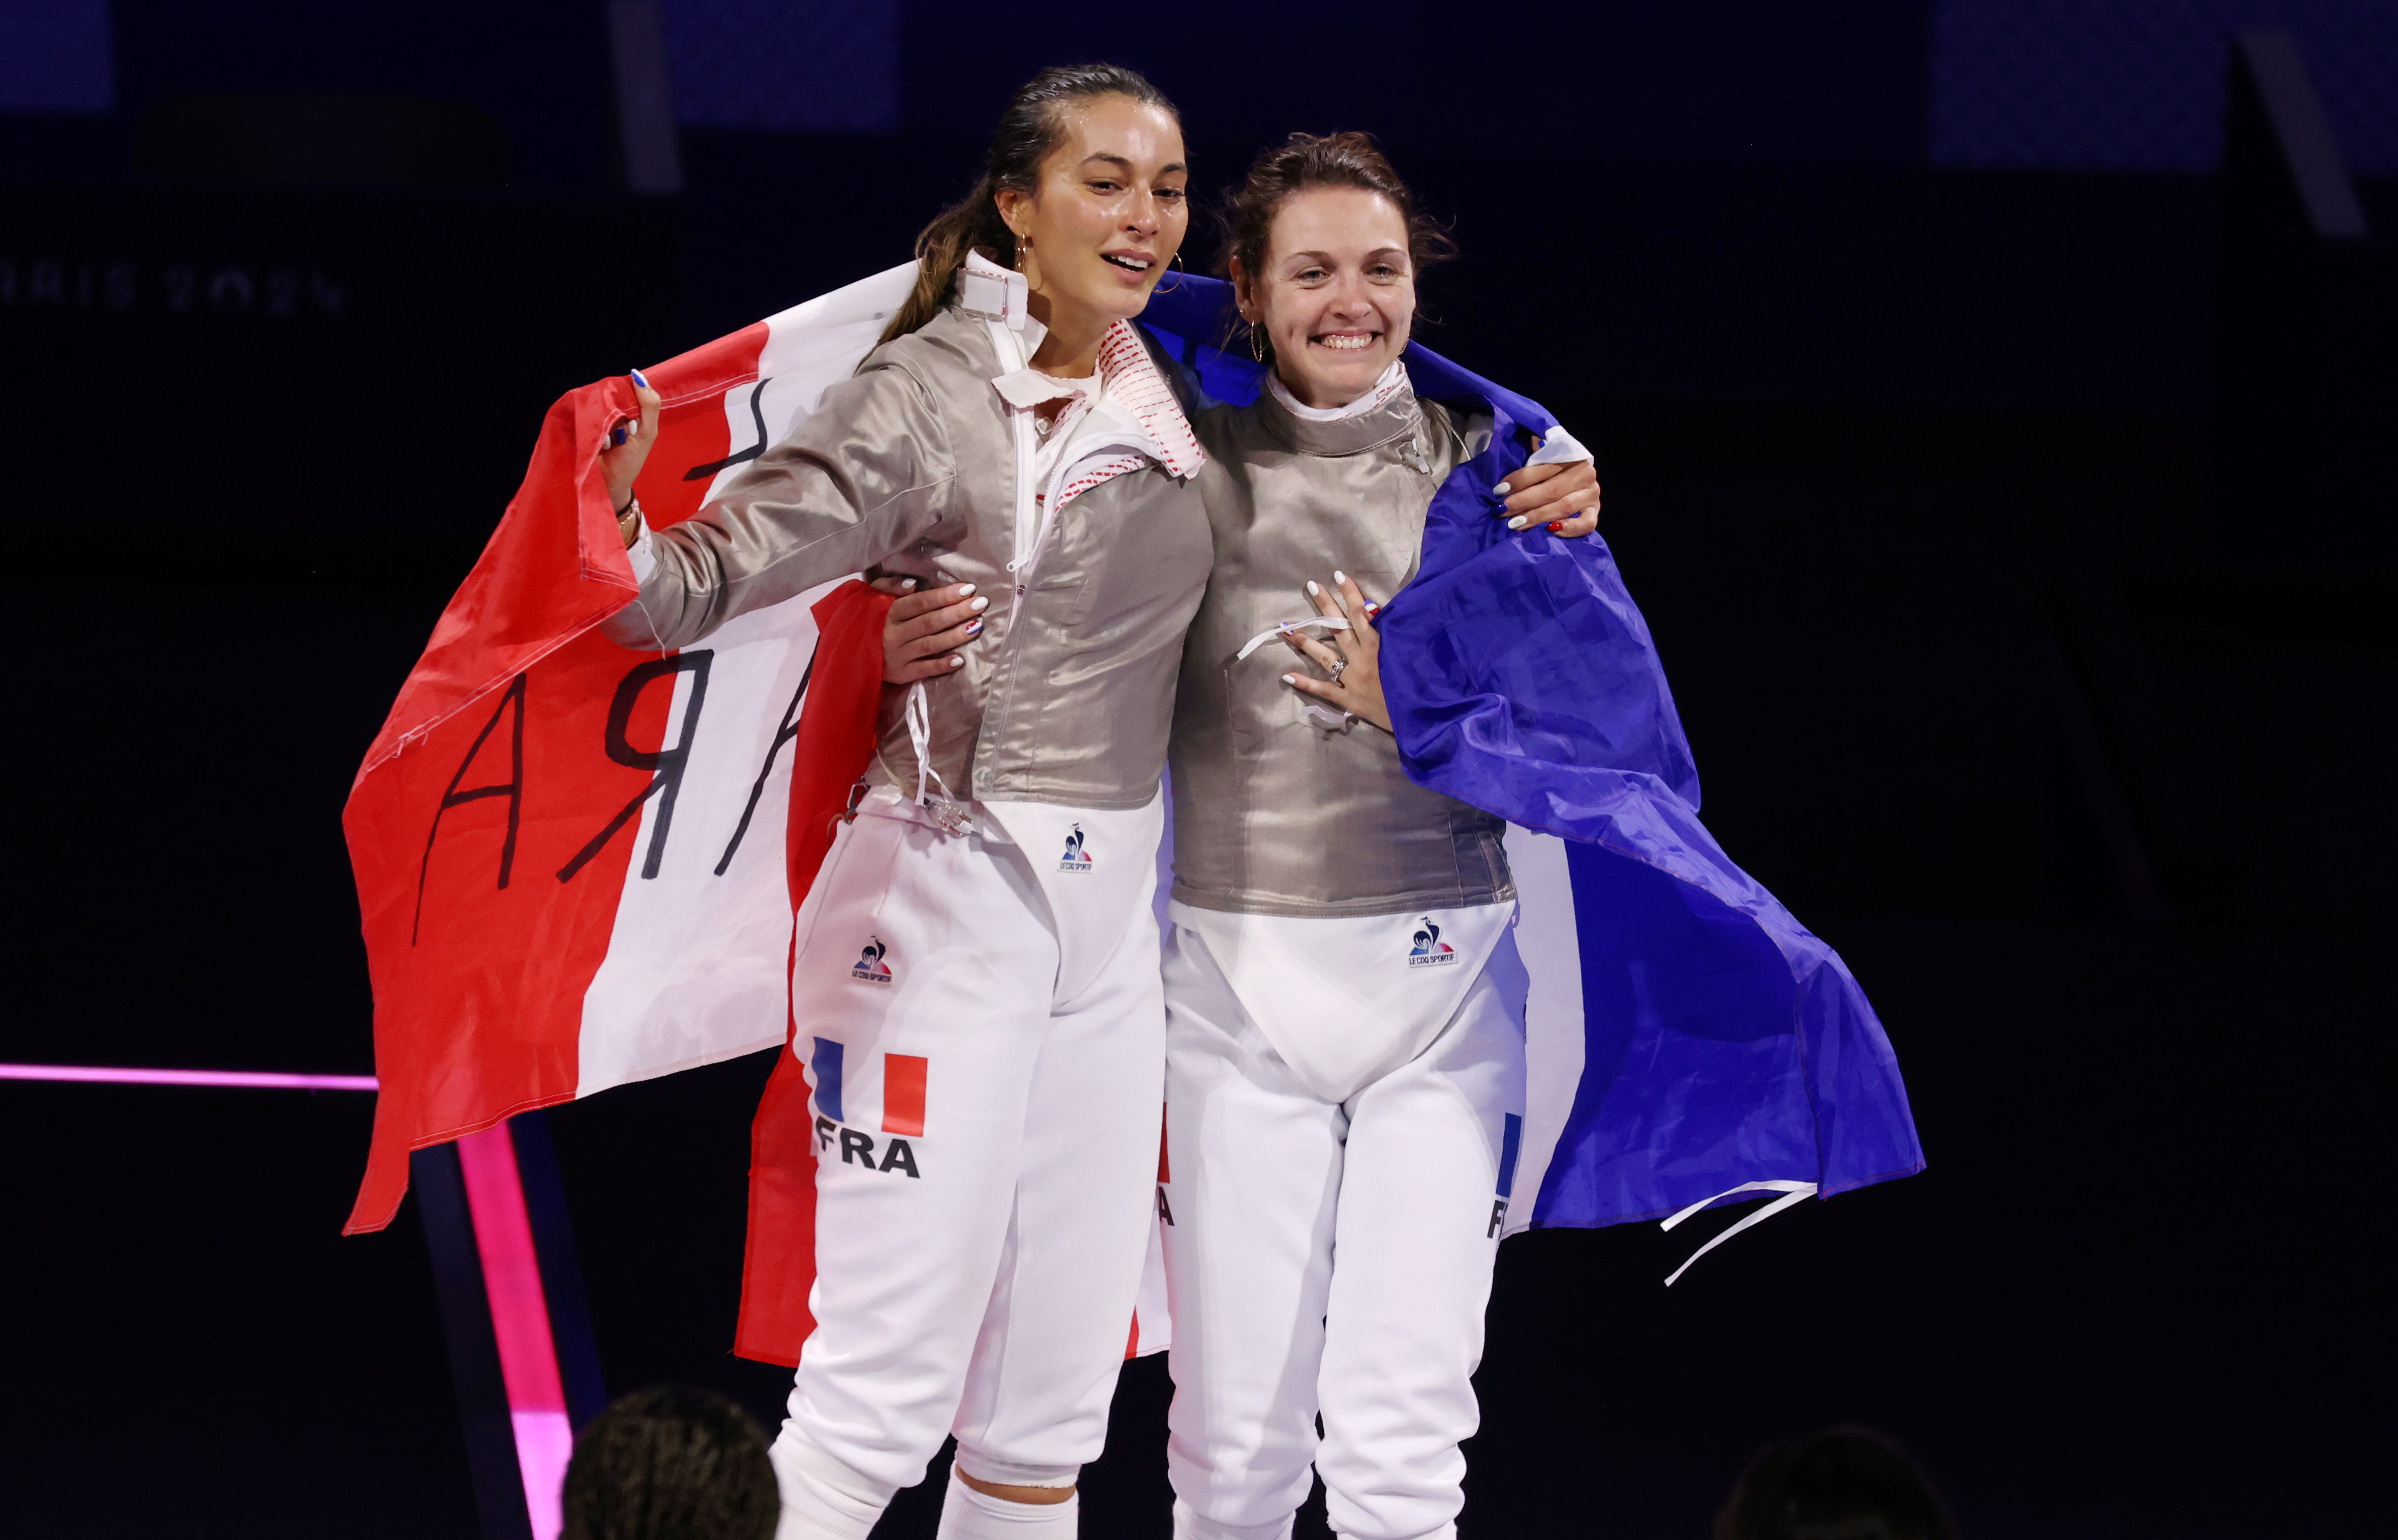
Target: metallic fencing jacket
x,y
1276,813
1067,697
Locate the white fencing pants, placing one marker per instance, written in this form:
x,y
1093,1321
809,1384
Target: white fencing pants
x,y
1269,1185
985,1041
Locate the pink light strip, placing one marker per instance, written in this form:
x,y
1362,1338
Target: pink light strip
x,y
520,1322
111,1076
502,1239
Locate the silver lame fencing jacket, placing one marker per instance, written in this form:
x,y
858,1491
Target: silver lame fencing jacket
x,y
1067,697
1274,814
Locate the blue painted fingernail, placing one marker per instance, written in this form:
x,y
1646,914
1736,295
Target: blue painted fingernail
x,y
640,378
617,434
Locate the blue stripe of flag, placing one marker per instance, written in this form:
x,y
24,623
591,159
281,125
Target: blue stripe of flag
x,y
827,1064
1511,1144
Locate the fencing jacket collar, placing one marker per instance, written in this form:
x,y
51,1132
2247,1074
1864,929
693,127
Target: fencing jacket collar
x,y
1381,415
1129,421
1393,380
1134,398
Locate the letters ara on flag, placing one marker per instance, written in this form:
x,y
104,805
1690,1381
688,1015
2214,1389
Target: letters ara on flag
x,y
577,864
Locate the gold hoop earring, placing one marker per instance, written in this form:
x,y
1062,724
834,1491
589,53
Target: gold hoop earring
x,y
1256,343
1175,266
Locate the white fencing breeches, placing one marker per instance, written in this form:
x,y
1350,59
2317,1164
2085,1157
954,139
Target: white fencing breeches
x,y
982,1018
1268,1184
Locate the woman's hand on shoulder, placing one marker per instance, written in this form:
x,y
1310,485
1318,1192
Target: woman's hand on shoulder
x,y
1353,663
921,634
1563,497
627,449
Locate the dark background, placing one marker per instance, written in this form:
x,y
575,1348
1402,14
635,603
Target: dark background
x,y
2001,459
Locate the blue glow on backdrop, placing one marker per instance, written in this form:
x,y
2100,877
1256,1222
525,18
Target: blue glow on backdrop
x,y
770,64
2138,85
56,56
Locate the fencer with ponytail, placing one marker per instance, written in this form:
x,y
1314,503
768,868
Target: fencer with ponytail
x,y
1031,127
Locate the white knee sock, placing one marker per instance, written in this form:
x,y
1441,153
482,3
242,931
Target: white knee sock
x,y
822,1498
970,1514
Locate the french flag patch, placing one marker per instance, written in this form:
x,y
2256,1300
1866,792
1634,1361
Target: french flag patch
x,y
904,1077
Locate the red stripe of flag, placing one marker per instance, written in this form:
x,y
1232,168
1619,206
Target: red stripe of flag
x,y
835,742
902,1094
485,922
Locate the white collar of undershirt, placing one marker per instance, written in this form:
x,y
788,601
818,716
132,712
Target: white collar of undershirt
x,y
1392,380
1026,388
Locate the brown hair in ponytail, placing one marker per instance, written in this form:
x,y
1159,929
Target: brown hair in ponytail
x,y
1325,160
1029,130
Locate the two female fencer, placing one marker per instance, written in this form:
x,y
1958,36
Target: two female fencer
x,y
1345,1044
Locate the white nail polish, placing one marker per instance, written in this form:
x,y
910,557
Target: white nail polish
x,y
980,605
1498,490
964,588
1338,577
1517,523
1312,587
957,663
1289,679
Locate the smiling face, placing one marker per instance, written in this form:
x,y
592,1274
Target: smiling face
x,y
1335,293
1107,216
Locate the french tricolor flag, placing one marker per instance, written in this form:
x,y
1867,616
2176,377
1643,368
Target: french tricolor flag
x,y
577,865
903,1086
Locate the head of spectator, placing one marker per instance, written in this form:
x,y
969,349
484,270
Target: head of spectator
x,y
670,1464
1849,1483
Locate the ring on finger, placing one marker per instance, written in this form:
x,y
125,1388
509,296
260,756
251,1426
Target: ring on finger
x,y
1337,669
